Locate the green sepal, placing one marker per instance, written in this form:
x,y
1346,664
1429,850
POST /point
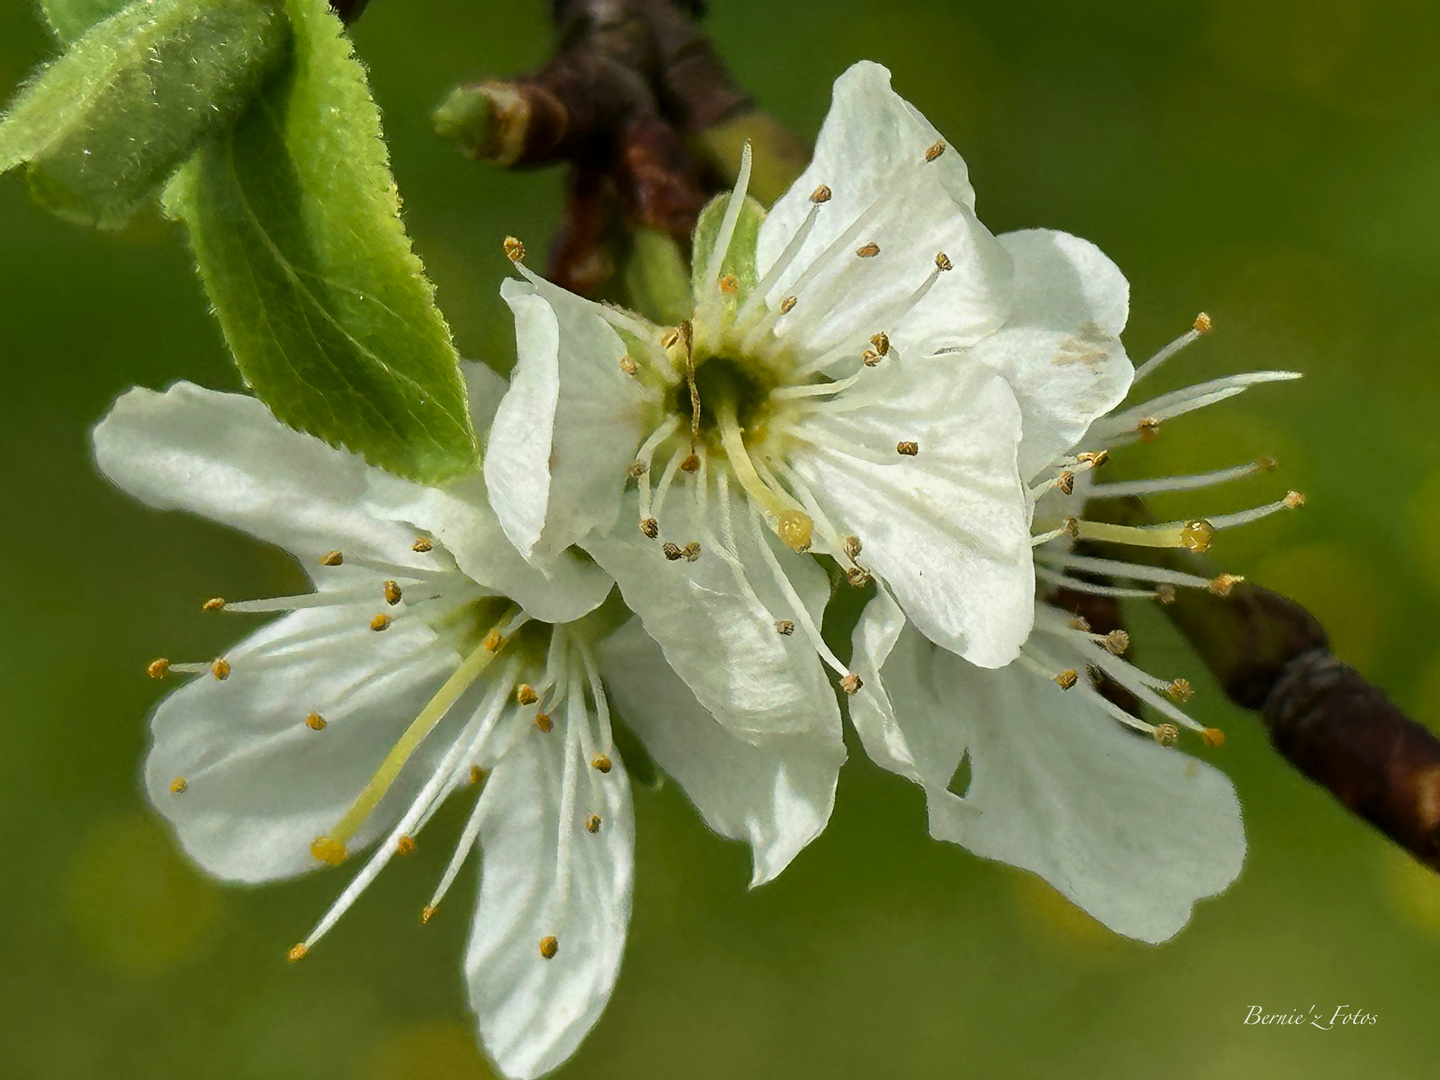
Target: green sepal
x,y
654,278
103,127
739,258
294,220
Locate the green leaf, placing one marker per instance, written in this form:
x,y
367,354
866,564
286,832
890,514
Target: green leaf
x,y
71,18
103,127
740,257
295,224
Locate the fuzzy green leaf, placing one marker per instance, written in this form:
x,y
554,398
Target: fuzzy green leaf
x,y
740,257
104,126
295,224
71,18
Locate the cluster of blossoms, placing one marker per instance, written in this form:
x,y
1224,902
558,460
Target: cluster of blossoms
x,y
873,392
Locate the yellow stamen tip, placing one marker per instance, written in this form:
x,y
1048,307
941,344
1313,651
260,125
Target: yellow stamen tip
x,y
493,641
381,622
179,786
1197,535
220,669
405,845
881,343
215,603
821,194
525,694
328,850
628,365
392,593
729,284
851,684
943,263
544,723
549,946
1149,429
650,527
158,669
422,544
296,953
1067,679
427,913
602,763
1203,323
514,249
1222,585
787,305
476,774
934,151
868,251
907,449
316,722
1213,737
1167,734
592,824
1180,690
784,627
332,558
1294,499
795,529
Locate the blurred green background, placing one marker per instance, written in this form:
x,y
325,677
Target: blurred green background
x,y
1274,163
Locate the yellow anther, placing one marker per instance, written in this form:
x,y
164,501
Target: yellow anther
x,y
730,284
1149,429
1203,323
851,684
935,151
405,845
220,668
628,365
881,343
858,576
602,763
549,946
787,305
795,529
691,551
327,850
296,953
868,251
543,722
907,449
1294,499
493,641
784,627
592,824
427,913
316,722
158,669
943,263
525,694
636,470
392,593
650,527
870,357
1213,737
1072,526
852,545
514,249
669,339
381,622
1267,463
1165,593
1117,641
1197,535
672,551
691,463
821,194
1079,622
215,603
332,558
1180,690
422,544
1167,734
179,786
1066,483
1222,585
1067,678
476,774
1094,459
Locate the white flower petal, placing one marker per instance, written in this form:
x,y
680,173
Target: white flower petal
x,y
1060,349
716,621
260,784
871,154
1130,831
947,529
534,1012
568,427
226,457
776,794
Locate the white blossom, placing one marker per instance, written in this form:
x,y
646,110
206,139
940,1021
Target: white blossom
x,y
429,661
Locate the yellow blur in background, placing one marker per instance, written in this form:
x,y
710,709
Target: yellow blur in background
x,y
1274,163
